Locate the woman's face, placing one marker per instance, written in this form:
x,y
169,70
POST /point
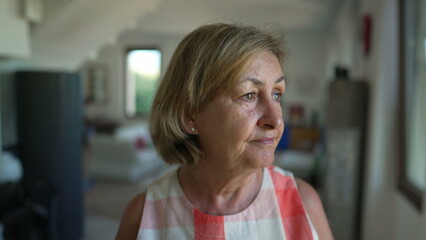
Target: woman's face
x,y
242,128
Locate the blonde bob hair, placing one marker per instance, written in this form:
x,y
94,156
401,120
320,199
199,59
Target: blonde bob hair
x,y
206,64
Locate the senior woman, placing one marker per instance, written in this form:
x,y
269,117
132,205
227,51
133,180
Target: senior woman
x,y
217,113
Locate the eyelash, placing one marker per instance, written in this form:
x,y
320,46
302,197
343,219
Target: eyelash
x,y
279,96
252,96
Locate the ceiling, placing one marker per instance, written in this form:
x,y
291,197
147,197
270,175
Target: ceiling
x,y
182,16
74,30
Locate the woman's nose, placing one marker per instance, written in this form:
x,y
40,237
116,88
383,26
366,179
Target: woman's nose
x,y
270,114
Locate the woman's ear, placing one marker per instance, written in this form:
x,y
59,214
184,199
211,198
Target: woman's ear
x,y
190,126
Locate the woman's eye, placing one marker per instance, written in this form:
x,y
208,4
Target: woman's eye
x,y
277,97
250,96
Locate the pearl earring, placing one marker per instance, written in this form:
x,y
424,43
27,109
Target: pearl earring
x,y
192,129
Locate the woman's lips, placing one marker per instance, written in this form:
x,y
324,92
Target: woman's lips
x,y
265,140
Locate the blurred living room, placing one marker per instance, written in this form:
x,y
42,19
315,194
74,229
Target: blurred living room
x,y
77,79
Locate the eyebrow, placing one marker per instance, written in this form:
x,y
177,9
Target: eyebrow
x,y
258,82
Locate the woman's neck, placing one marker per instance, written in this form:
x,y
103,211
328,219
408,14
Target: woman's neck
x,y
220,191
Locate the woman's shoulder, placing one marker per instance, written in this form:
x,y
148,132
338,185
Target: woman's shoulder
x,y
309,197
284,179
308,194
130,221
132,216
164,186
314,208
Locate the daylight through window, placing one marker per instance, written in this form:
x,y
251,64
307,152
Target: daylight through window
x,y
143,74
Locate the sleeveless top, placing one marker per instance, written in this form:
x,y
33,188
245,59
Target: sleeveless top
x,y
276,213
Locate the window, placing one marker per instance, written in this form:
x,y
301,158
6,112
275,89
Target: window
x,y
143,68
412,176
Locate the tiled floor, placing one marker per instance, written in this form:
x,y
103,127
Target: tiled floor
x,y
100,228
105,202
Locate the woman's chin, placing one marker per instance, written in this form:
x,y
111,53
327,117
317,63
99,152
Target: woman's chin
x,y
263,160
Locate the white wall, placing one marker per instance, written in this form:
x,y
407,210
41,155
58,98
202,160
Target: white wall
x,y
113,57
380,189
387,214
15,39
305,72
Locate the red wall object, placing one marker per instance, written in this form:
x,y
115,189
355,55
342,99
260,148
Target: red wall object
x,y
367,30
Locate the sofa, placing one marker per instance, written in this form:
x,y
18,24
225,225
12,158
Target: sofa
x,y
126,155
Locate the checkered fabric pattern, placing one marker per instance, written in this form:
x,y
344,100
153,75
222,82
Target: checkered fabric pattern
x,y
276,213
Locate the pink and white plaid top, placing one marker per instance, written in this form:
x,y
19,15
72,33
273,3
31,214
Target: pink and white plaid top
x,y
276,213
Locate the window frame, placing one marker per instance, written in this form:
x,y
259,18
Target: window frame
x,y
413,193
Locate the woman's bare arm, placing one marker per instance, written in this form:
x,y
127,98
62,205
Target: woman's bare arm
x,y
130,221
315,210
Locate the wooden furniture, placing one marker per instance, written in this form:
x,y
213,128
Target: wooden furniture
x,y
304,138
